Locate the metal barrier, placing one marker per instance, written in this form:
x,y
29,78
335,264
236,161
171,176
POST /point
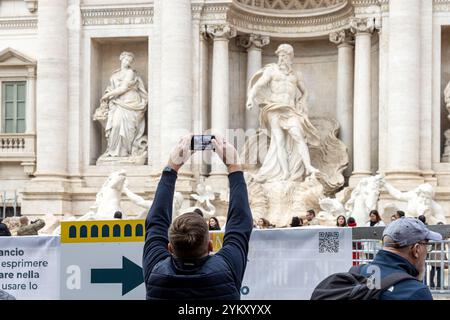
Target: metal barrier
x,y
437,276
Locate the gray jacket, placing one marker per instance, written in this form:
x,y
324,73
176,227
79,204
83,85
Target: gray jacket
x,y
31,229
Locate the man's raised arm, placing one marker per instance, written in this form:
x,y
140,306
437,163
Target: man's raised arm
x,y
239,221
159,217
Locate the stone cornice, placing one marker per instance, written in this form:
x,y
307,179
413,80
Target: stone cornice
x,y
287,25
197,10
116,16
367,6
298,8
215,13
18,23
441,5
367,3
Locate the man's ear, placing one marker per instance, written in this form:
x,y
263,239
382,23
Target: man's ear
x,y
210,246
415,251
170,248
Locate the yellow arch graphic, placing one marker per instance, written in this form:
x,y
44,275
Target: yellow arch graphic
x,y
107,231
128,231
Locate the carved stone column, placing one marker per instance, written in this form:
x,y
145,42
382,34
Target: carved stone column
x,y
200,77
254,44
154,111
52,90
344,101
405,91
176,73
220,86
362,103
49,191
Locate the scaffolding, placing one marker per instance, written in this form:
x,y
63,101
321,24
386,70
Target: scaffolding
x,y
8,202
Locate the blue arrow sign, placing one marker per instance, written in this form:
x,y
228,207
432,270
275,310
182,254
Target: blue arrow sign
x,y
130,276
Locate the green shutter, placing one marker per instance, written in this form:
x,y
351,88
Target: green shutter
x,y
14,107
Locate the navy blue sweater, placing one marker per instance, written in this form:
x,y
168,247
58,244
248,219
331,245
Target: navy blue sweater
x,y
217,276
409,289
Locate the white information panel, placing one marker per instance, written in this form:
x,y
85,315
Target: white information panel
x,y
29,267
288,263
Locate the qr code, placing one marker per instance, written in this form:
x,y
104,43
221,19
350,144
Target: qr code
x,y
328,242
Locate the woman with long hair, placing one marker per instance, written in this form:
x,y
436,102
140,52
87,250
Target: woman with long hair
x,y
213,224
375,220
263,224
341,221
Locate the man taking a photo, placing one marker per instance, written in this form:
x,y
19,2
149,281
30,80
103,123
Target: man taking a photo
x,y
176,259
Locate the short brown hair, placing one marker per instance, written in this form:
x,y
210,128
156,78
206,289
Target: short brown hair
x,y
189,236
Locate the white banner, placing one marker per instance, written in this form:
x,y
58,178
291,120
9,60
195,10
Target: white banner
x,y
282,264
287,264
29,267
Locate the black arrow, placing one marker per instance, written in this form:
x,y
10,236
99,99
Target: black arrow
x,y
130,276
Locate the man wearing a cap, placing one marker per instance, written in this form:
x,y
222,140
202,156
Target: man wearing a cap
x,y
405,248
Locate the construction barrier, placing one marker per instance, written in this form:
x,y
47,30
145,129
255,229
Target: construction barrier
x,y
103,260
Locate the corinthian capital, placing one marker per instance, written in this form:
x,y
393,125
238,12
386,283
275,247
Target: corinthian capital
x,y
362,25
342,37
253,41
221,31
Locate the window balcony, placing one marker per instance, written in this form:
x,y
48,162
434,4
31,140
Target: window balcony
x,y
19,147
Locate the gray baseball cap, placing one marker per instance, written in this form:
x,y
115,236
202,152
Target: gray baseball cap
x,y
408,231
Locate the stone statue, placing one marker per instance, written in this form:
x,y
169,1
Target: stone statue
x,y
420,202
364,198
447,98
122,113
446,154
331,209
107,201
282,96
292,161
146,204
204,197
136,199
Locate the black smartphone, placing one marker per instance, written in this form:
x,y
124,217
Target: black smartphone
x,y
202,142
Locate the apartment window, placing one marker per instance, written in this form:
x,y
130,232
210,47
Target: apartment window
x,y
13,106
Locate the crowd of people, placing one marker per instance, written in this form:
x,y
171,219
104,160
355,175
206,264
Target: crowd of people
x,y
25,228
374,220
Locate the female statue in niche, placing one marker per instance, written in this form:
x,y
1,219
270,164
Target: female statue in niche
x,y
122,111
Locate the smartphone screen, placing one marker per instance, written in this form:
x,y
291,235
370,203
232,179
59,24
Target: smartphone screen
x,y
202,142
